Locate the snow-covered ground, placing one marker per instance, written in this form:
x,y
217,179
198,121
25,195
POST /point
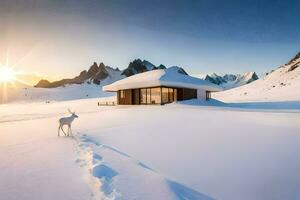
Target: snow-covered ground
x,y
177,151
69,92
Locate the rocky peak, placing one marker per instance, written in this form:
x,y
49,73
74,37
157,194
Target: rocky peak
x,y
214,78
135,67
100,74
42,83
92,70
230,77
294,59
149,65
294,63
161,66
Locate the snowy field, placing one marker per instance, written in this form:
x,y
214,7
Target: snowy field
x,y
149,152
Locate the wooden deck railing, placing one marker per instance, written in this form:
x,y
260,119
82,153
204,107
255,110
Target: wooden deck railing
x,y
107,103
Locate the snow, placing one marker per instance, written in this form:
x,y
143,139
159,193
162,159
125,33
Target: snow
x,y
149,152
161,77
69,92
36,165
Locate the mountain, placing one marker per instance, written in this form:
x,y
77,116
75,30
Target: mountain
x,y
281,84
97,74
230,80
139,66
246,78
214,78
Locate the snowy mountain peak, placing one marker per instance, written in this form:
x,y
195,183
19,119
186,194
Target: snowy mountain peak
x,y
148,65
177,69
230,80
229,77
246,78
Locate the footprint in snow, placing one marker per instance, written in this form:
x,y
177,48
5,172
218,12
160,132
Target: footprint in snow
x,y
96,158
80,162
106,175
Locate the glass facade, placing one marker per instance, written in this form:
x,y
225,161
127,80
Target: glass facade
x,y
136,96
164,95
155,96
143,96
171,94
148,96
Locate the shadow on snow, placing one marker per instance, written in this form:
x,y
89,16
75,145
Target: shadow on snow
x,y
280,105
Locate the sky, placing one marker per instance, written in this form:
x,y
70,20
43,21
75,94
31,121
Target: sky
x,y
63,37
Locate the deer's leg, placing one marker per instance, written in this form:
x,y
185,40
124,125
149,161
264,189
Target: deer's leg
x,y
63,130
68,129
58,130
71,130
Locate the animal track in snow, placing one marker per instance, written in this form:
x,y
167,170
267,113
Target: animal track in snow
x,y
102,175
107,174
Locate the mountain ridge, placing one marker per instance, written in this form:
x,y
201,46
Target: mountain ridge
x,y
98,73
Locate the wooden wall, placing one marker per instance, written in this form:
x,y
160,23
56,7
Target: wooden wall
x,y
124,97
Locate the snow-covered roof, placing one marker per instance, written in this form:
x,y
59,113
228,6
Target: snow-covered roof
x,y
161,77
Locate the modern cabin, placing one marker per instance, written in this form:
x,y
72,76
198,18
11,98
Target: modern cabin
x,y
160,87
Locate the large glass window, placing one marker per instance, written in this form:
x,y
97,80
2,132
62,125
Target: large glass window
x,y
148,96
155,96
136,96
122,94
171,95
143,96
165,95
175,94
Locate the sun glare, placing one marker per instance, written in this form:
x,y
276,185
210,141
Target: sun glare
x,y
6,74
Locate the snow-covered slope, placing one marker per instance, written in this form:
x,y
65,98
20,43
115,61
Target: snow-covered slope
x,y
68,92
282,84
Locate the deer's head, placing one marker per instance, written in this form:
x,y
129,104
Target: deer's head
x,y
73,114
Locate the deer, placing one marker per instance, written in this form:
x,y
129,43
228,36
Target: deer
x,y
67,121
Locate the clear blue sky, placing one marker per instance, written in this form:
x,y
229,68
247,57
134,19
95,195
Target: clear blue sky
x,y
65,36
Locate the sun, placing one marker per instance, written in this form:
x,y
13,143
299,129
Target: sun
x,y
7,74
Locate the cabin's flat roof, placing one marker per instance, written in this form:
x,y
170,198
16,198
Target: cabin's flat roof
x,y
161,77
